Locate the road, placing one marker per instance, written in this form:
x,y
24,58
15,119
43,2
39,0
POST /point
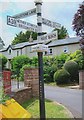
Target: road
x,y
71,98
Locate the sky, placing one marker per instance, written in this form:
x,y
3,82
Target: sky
x,y
60,11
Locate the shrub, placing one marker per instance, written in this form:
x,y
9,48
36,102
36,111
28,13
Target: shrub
x,y
80,61
18,62
3,61
60,60
78,57
72,68
61,77
74,56
34,61
49,72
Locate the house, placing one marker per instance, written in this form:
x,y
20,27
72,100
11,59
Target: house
x,y
56,47
68,45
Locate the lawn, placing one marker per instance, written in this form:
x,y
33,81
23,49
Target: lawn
x,y
53,109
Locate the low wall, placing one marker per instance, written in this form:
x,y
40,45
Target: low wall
x,y
31,79
22,95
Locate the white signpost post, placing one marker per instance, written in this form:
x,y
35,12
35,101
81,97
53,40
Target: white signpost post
x,y
21,24
25,14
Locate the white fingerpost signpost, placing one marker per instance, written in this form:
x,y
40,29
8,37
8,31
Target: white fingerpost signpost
x,y
38,4
39,48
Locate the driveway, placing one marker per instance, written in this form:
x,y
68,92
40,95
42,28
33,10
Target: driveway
x,y
71,98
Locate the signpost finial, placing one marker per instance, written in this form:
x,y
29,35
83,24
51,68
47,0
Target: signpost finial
x,y
38,1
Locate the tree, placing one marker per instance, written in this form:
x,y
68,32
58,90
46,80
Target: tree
x,y
78,23
62,33
3,61
24,37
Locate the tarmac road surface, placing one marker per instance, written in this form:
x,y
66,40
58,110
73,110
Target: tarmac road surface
x,y
71,98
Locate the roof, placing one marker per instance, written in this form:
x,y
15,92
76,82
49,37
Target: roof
x,y
54,43
66,41
20,45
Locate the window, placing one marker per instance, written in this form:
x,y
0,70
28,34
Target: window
x,y
65,50
17,53
21,51
10,52
45,53
50,50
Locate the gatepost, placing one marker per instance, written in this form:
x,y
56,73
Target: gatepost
x,y
7,81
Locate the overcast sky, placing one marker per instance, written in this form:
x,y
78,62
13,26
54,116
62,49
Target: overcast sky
x,y
60,11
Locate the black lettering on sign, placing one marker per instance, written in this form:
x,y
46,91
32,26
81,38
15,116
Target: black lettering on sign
x,y
11,21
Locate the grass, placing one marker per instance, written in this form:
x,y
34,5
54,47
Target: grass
x,y
53,110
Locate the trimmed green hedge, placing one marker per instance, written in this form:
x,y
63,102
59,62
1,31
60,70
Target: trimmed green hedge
x,y
72,68
61,77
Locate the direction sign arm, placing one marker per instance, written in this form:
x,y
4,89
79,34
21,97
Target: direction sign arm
x,y
25,14
51,24
21,24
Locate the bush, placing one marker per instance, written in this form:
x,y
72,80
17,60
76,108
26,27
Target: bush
x,y
80,61
34,61
72,68
74,56
78,57
60,60
61,77
3,61
18,62
49,72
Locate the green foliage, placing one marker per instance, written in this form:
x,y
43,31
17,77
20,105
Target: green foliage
x,y
80,62
34,61
72,68
3,97
3,61
18,62
51,65
74,56
48,73
61,77
78,57
24,37
60,60
62,33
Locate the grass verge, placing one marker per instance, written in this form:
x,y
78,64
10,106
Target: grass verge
x,y
53,109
